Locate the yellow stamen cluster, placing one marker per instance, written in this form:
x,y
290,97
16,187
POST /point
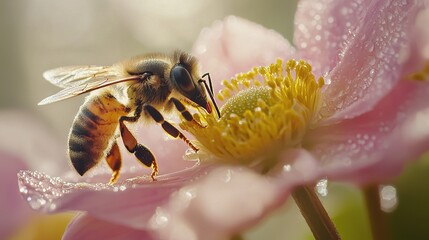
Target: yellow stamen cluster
x,y
265,109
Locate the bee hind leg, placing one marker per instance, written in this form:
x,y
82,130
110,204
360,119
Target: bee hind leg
x,y
168,127
114,161
142,153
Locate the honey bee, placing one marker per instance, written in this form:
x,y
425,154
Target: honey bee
x,y
143,86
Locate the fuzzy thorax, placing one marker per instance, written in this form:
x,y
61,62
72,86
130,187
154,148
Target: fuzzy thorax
x,y
265,110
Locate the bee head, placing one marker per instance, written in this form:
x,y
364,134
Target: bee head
x,y
188,87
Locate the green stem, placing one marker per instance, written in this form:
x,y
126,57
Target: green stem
x,y
377,217
315,214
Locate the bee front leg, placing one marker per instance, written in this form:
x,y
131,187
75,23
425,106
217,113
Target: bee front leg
x,y
182,109
142,153
114,161
170,129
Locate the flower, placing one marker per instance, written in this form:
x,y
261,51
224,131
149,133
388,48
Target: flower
x,y
26,144
366,116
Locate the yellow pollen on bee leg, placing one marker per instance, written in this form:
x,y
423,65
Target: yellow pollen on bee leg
x,y
264,110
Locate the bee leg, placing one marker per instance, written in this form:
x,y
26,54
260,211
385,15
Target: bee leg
x,y
142,153
182,109
114,161
170,129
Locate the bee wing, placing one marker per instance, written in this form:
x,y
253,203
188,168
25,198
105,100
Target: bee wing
x,y
70,76
86,86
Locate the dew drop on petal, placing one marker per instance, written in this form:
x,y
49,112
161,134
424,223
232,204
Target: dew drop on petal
x,y
369,46
39,189
23,190
322,187
388,198
52,207
228,176
190,154
42,192
159,219
286,168
182,198
318,37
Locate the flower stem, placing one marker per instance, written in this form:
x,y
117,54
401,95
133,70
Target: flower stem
x,y
377,217
314,213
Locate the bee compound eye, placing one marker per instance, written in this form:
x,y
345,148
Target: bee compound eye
x,y
182,78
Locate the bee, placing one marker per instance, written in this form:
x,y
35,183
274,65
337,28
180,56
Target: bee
x,y
144,86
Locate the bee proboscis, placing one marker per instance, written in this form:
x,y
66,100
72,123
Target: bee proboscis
x,y
143,86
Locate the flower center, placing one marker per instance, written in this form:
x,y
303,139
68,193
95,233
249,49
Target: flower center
x,y
266,109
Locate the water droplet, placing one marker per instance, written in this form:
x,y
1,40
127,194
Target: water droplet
x,y
36,201
23,190
228,176
302,28
189,151
287,168
52,207
160,218
388,198
318,37
322,187
369,46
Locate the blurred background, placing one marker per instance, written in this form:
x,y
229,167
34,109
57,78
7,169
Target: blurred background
x,y
41,35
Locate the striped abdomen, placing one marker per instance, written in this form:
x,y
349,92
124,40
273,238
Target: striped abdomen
x,y
92,130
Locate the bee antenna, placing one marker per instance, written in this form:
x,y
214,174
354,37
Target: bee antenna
x,y
210,91
210,81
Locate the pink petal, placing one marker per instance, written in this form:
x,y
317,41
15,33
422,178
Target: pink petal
x,y
372,60
236,45
360,143
231,199
130,203
14,211
406,144
86,227
323,29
